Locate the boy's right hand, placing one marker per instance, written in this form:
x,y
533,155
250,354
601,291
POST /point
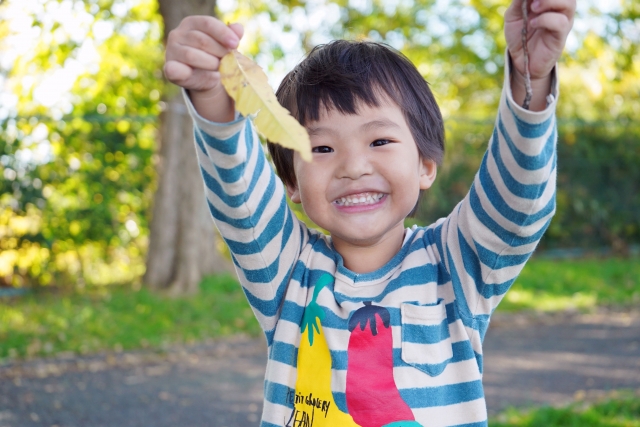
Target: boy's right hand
x,y
193,54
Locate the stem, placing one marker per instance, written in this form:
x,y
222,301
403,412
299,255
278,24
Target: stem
x,y
527,74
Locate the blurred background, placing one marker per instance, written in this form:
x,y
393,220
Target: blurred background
x,y
104,236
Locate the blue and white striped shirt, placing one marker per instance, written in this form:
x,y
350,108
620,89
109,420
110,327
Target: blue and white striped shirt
x,y
439,290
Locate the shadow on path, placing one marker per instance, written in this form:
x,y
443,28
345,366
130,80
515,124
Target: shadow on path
x,y
556,360
218,385
528,361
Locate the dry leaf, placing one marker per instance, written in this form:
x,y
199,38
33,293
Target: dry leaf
x,y
247,84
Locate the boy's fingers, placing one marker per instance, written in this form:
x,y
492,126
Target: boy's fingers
x,y
196,58
189,78
238,29
565,7
557,23
201,41
514,11
213,28
176,71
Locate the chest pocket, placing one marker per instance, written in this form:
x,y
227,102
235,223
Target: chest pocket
x,y
426,344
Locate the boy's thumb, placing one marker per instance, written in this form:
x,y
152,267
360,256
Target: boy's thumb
x,y
238,29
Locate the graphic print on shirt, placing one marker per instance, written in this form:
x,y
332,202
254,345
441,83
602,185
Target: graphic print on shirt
x,y
373,400
372,397
313,401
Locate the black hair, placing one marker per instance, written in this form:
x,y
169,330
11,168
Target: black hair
x,y
342,74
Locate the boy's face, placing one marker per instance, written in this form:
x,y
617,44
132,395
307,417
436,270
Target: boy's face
x,y
365,176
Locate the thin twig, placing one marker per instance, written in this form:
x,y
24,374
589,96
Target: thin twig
x,y
527,74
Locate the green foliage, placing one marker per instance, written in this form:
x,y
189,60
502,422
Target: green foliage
x,y
598,197
74,205
466,145
554,285
78,179
459,47
117,318
598,193
623,410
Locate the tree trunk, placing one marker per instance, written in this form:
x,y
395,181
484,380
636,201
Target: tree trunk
x,y
183,240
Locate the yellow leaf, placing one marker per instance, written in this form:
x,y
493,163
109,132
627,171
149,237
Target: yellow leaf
x,y
247,84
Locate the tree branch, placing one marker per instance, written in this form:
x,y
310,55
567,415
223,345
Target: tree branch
x,y
527,74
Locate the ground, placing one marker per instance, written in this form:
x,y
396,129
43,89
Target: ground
x,y
529,360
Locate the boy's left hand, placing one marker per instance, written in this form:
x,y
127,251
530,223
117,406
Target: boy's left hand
x,y
549,24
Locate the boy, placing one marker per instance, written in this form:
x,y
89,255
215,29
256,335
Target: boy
x,y
374,325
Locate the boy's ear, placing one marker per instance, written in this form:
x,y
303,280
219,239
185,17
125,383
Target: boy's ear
x,y
293,193
428,172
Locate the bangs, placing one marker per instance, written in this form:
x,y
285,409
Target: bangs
x,y
340,78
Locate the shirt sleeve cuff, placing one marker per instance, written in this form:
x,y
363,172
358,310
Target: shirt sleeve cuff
x,y
220,131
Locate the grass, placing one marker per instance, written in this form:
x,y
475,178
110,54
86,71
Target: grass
x,y
620,411
556,285
120,318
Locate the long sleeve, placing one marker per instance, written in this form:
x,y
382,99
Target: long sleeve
x,y
437,292
248,204
485,242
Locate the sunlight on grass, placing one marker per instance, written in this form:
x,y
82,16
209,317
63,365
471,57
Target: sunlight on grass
x,y
556,285
120,318
544,301
623,410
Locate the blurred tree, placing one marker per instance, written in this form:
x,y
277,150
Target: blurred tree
x,y
76,150
458,45
78,175
182,246
79,167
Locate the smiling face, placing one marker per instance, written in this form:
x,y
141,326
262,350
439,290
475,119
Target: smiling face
x,y
365,176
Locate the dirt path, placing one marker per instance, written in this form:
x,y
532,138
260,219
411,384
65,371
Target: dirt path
x,y
556,360
528,361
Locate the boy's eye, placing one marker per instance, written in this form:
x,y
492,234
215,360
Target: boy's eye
x,y
322,149
380,142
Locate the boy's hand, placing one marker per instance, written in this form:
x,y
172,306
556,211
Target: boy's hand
x,y
549,24
193,54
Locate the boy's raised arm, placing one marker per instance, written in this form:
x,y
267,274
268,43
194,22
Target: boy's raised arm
x,y
489,236
245,198
549,23
193,54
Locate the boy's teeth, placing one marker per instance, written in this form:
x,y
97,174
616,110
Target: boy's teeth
x,y
360,199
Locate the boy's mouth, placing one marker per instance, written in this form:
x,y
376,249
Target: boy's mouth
x,y
360,199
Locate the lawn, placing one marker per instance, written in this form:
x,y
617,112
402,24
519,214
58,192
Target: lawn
x,y
119,318
622,410
556,285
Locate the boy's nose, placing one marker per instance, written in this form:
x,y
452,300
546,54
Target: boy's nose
x,y
354,165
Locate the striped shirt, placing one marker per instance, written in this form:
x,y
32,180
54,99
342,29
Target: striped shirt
x,y
401,345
